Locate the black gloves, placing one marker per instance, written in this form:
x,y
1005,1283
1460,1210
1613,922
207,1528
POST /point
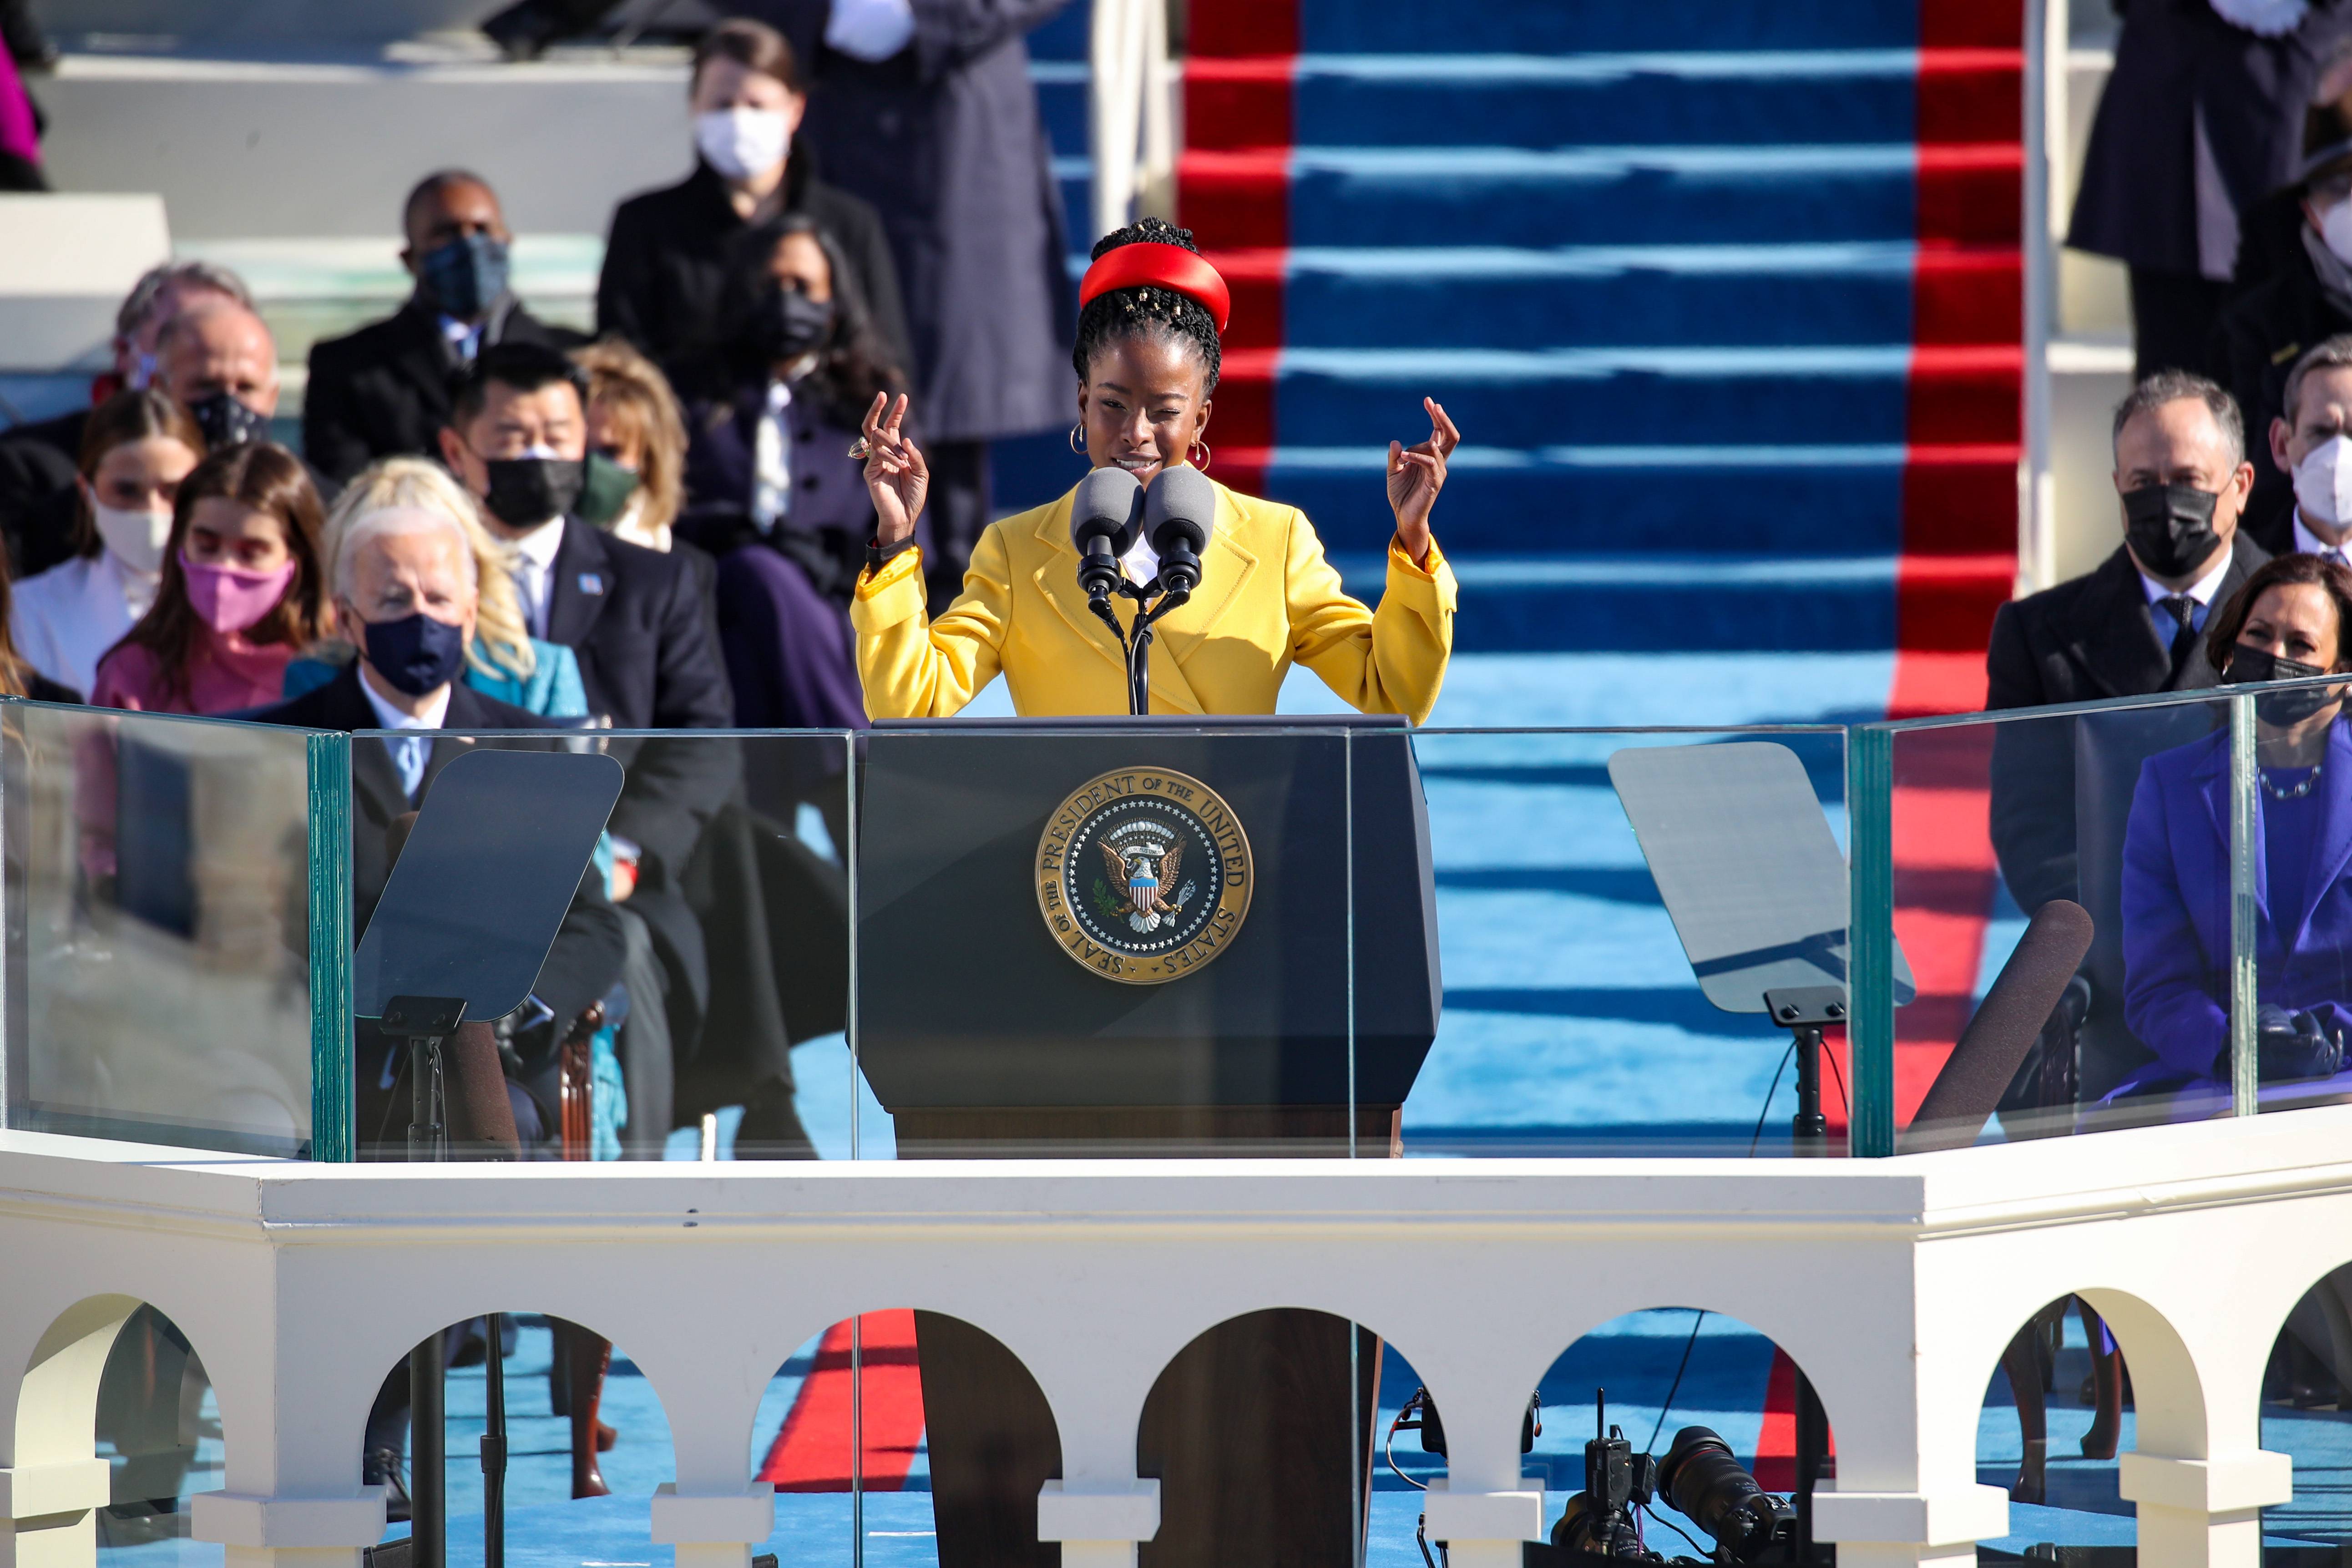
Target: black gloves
x,y
2291,1046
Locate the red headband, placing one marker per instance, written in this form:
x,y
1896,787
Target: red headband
x,y
1169,267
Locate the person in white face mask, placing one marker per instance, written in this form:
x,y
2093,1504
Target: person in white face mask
x,y
665,262
2313,445
136,448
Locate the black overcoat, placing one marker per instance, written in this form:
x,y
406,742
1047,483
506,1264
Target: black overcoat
x,y
944,139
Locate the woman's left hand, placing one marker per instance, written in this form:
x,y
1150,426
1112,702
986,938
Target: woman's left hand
x,y
1416,473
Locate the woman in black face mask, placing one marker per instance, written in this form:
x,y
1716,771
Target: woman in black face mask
x,y
2291,621
773,406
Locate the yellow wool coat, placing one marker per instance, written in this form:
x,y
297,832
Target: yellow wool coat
x,y
1268,599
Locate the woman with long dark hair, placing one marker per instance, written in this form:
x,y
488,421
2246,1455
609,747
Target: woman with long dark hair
x,y
136,447
772,491
241,594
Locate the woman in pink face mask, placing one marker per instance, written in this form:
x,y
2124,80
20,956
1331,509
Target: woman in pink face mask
x,y
241,591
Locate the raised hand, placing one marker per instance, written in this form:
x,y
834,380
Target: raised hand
x,y
896,475
1416,473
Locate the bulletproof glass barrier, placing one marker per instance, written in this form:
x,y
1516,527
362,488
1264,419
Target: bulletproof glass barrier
x,y
1614,906
173,892
2123,913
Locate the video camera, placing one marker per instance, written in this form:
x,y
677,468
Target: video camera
x,y
1698,1477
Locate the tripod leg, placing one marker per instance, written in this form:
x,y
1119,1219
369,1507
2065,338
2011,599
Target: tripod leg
x,y
591,1356
428,1498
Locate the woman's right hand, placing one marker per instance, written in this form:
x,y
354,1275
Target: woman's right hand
x,y
896,476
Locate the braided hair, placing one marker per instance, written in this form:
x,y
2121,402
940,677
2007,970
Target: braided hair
x,y
1146,310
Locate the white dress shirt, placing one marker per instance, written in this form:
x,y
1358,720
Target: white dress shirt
x,y
534,571
2202,591
65,617
409,753
772,460
870,29
2309,543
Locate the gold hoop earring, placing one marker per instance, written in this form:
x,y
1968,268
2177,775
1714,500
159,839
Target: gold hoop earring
x,y
1200,462
1076,445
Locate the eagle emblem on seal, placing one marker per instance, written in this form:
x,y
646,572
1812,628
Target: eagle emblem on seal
x,y
1143,875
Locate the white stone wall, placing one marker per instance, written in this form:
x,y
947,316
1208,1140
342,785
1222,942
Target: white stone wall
x,y
1895,1283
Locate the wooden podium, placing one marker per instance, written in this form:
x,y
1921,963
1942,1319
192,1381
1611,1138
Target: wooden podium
x,y
985,1038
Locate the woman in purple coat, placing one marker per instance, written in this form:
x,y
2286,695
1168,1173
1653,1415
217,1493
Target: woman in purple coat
x,y
2292,619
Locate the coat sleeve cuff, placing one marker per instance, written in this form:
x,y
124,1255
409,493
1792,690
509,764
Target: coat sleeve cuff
x,y
891,593
1437,574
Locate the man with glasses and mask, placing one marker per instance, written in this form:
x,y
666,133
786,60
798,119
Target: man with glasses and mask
x,y
2128,629
384,391
218,362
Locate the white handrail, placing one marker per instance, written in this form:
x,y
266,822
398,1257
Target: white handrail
x,y
1130,134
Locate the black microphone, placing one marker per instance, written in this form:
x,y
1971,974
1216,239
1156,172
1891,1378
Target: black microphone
x,y
1106,519
1179,512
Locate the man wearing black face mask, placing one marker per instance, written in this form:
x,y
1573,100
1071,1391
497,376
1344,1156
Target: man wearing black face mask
x,y
637,619
404,591
218,362
2128,629
384,390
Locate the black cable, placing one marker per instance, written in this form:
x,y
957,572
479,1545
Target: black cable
x,y
1678,1529
1786,1056
1675,1387
1839,1073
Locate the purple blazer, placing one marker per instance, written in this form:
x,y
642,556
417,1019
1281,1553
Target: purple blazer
x,y
2176,909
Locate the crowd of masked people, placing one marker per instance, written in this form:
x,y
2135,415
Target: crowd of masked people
x,y
493,523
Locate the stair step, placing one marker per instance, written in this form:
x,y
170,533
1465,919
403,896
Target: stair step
x,y
1527,398
1753,500
1636,195
1570,27
1701,98
1501,297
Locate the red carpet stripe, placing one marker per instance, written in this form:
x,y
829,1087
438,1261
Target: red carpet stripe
x,y
1232,191
811,1451
1775,1469
1960,508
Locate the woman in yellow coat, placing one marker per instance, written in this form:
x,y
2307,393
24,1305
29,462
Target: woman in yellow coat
x,y
1147,358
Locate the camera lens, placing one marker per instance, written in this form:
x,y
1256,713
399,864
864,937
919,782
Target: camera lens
x,y
1702,1479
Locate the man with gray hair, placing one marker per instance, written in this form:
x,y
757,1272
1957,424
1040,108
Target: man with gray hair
x,y
405,595
36,460
2311,443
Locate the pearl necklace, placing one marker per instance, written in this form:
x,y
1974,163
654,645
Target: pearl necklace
x,y
2280,792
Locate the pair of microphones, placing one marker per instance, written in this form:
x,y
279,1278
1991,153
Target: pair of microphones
x,y
1176,513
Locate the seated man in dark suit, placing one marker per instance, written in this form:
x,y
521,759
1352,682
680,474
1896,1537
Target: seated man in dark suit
x,y
384,391
405,594
2129,629
637,620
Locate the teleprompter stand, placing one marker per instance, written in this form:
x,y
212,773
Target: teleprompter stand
x,y
1756,886
472,905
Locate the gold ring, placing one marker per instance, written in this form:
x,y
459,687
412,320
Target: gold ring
x,y
860,450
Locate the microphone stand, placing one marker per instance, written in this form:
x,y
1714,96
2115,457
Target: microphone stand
x,y
1137,646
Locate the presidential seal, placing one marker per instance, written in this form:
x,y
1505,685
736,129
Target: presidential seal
x,y
1143,876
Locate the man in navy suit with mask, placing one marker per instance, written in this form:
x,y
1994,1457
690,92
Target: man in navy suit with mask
x,y
638,619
